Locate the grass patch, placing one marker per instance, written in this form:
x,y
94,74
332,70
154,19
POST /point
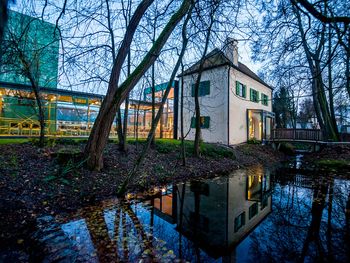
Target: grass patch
x,y
207,149
13,141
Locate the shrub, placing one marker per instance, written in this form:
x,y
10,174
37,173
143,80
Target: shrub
x,y
254,141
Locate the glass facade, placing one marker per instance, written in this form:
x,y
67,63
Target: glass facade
x,y
73,114
260,124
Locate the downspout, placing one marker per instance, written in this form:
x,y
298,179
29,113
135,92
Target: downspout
x,y
228,105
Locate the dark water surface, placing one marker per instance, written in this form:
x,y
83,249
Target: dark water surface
x,y
252,215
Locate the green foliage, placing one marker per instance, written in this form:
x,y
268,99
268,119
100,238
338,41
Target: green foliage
x,y
66,155
215,151
70,161
283,107
254,141
172,145
13,141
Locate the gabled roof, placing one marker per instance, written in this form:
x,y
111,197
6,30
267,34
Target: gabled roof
x,y
217,58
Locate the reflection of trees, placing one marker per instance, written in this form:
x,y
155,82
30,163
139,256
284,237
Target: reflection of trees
x,y
313,234
307,223
107,247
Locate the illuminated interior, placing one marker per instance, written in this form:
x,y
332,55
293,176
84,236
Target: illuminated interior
x,y
260,124
258,185
73,114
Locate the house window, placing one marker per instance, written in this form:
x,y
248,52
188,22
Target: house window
x,y
241,89
239,221
253,210
205,122
254,95
204,88
264,99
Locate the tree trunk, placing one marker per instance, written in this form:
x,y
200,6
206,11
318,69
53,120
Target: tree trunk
x,y
330,83
142,156
347,63
100,131
102,126
41,114
153,84
153,100
327,126
197,137
126,111
183,150
120,129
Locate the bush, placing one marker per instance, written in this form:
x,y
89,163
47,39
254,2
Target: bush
x,y
254,141
66,155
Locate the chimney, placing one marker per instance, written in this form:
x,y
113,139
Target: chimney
x,y
231,50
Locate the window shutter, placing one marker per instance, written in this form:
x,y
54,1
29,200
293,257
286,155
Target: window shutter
x,y
192,92
237,87
208,88
251,94
257,96
206,122
244,91
193,122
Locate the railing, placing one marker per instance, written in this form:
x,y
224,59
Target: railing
x,y
297,134
29,127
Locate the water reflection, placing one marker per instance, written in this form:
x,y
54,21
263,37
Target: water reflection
x,y
251,215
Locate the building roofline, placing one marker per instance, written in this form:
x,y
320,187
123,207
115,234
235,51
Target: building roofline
x,y
27,87
228,63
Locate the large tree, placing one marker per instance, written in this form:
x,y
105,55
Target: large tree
x,y
116,94
293,43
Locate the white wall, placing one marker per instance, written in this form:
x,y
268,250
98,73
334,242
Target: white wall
x,y
238,106
238,204
213,105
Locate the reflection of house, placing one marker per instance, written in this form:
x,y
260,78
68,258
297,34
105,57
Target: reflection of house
x,y
218,215
235,103
164,202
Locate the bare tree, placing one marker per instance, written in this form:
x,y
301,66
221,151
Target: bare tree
x,y
116,94
150,137
29,56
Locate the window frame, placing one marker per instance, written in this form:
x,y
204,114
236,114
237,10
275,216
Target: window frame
x,y
204,120
241,89
204,88
264,99
237,226
252,92
253,210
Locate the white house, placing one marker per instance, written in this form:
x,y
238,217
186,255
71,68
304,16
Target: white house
x,y
235,103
